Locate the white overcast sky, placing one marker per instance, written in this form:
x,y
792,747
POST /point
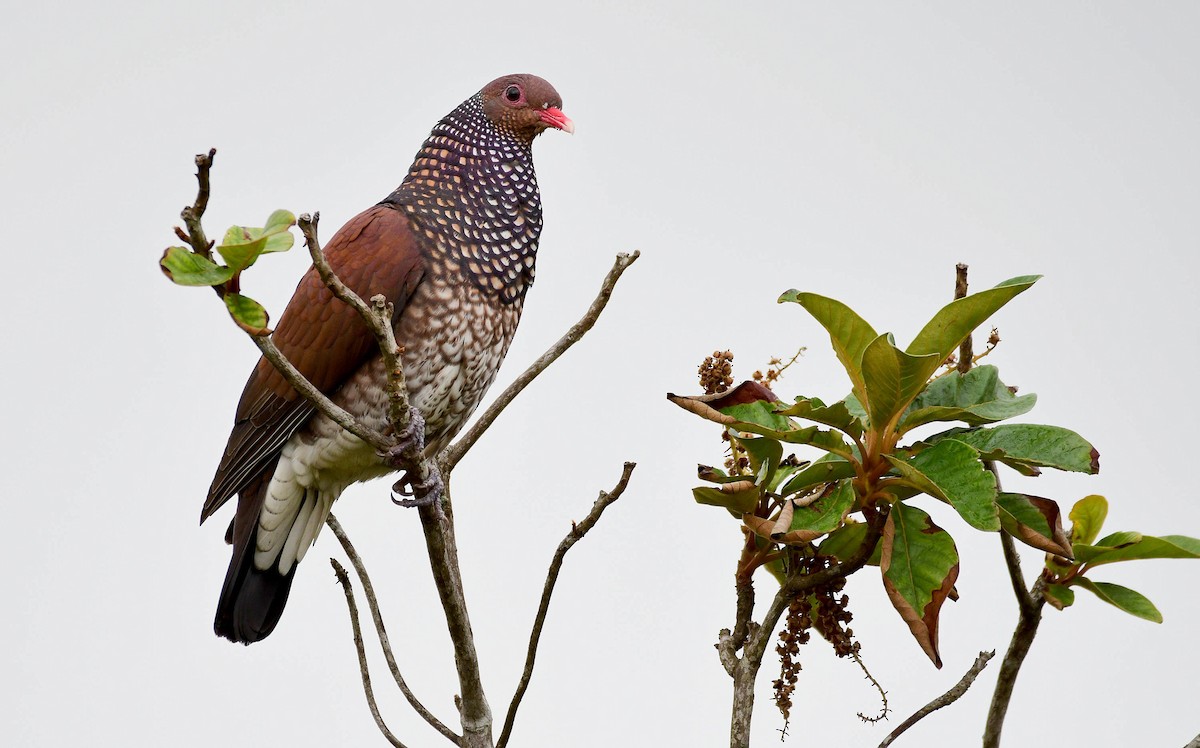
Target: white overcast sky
x,y
745,149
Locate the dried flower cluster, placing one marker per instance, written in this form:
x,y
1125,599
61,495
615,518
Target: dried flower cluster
x,y
716,373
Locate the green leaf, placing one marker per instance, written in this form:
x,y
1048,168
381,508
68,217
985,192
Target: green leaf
x,y
1034,521
849,333
827,469
738,502
190,269
1033,445
958,319
826,513
951,471
836,415
1060,596
843,542
247,313
1132,602
919,565
1087,517
242,245
765,455
892,379
1116,548
976,398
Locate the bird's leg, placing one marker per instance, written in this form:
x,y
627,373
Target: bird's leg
x,y
411,442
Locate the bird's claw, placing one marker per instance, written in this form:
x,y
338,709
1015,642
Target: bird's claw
x,y
424,493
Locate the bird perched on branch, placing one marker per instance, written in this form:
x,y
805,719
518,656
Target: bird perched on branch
x,y
453,249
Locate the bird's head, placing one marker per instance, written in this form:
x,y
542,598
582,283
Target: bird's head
x,y
524,105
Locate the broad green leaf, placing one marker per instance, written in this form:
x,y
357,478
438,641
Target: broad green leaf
x,y
976,398
738,502
919,565
849,333
958,319
190,269
247,313
1145,547
827,469
826,513
1060,596
836,415
1132,602
1087,517
279,237
1034,521
1033,445
843,542
951,471
892,379
830,441
242,245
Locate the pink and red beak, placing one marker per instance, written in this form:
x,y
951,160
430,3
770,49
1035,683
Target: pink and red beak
x,y
554,117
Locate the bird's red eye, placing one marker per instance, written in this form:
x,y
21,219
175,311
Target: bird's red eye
x,y
513,93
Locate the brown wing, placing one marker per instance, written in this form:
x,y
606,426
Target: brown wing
x,y
375,253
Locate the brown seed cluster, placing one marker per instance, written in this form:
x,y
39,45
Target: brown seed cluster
x,y
716,373
824,609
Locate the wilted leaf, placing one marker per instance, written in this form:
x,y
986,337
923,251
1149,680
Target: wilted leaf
x,y
1034,521
748,393
951,471
190,269
247,313
849,333
1132,602
826,513
1033,445
1087,517
976,398
919,565
959,318
892,378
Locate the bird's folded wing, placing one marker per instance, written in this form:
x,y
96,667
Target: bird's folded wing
x,y
375,253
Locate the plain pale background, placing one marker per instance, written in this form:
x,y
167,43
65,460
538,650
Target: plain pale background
x,y
746,149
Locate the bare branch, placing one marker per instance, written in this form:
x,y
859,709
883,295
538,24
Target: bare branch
x,y
192,214
1022,639
437,521
578,530
450,457
378,317
344,580
381,630
966,356
946,699
310,392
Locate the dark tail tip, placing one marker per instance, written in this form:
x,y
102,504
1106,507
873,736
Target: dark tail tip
x,y
252,600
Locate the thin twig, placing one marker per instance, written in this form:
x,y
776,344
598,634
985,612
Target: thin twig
x,y
578,530
966,357
192,214
381,630
946,699
450,457
883,712
344,580
310,392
